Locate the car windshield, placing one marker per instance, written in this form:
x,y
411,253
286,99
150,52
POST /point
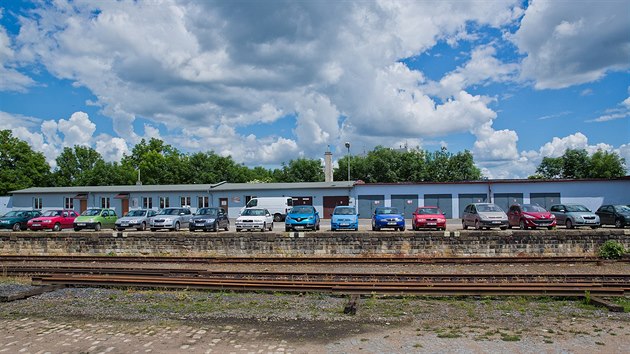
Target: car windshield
x,y
428,211
302,210
136,213
169,212
52,213
577,208
386,211
207,211
531,208
622,208
14,214
488,208
253,212
344,211
91,212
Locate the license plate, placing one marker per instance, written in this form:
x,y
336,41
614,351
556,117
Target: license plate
x,y
299,227
496,222
37,225
431,224
81,224
344,224
391,223
124,224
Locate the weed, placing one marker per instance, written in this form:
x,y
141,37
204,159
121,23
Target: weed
x,y
548,341
417,345
510,338
599,343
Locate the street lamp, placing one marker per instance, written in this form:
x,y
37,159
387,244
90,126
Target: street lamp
x,y
348,147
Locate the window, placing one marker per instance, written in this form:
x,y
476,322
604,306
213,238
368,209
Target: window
x,y
202,202
184,201
68,203
147,203
104,202
37,203
164,202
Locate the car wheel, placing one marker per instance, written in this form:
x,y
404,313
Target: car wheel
x,y
77,229
277,217
618,224
264,228
402,228
550,227
503,227
227,226
333,229
97,227
120,229
317,228
477,225
287,228
569,224
238,229
271,227
595,227
521,225
16,226
464,226
215,227
143,227
57,227
176,226
153,229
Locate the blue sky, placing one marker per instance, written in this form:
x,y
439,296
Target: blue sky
x,y
267,82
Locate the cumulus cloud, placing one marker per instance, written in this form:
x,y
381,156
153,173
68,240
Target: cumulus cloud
x,y
568,43
12,79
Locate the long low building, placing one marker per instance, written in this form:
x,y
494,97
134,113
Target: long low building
x,y
450,197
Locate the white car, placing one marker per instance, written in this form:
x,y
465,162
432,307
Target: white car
x,y
254,219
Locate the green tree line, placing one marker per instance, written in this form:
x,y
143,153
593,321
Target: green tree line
x,y
576,164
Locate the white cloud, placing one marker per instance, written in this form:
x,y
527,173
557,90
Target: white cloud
x,y
11,78
568,43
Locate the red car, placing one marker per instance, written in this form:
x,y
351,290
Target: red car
x,y
428,217
530,215
55,220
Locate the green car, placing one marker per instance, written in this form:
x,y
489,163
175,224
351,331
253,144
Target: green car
x,y
95,219
17,219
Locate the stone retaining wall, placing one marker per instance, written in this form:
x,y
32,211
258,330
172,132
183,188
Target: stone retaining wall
x,y
430,244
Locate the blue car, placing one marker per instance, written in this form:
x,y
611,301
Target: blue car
x,y
386,217
344,217
302,217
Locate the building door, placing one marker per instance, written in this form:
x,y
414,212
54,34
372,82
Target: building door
x,y
545,200
406,204
125,206
83,205
302,200
465,199
505,200
367,204
442,201
223,203
330,202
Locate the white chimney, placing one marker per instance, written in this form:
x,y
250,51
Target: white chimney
x,y
328,168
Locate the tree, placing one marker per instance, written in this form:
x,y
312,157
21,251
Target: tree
x,y
75,166
300,170
606,164
576,163
159,163
550,167
20,166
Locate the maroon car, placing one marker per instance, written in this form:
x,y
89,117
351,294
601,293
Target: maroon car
x,y
428,217
527,216
55,219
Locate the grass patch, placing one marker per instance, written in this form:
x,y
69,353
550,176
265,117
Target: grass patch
x,y
510,338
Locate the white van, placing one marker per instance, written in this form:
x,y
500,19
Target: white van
x,y
277,206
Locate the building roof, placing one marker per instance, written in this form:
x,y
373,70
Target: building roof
x,y
222,186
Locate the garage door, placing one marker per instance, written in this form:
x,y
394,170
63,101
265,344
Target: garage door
x,y
330,202
442,201
545,200
367,204
406,203
504,200
465,199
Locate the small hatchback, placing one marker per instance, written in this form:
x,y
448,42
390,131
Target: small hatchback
x,y
18,219
207,219
618,215
135,219
428,217
302,217
55,220
480,215
387,217
572,215
96,219
530,216
344,218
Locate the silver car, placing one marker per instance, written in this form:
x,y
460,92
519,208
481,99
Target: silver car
x,y
572,215
480,215
138,219
171,219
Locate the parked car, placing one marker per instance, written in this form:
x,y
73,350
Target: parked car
x,y
277,206
207,219
530,215
135,219
254,219
344,217
428,217
302,217
572,215
618,215
387,217
95,218
171,219
480,215
55,220
17,219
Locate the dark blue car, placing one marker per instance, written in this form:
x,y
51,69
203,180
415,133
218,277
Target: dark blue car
x,y
387,217
302,217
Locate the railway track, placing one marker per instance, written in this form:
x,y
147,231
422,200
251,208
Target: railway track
x,y
301,260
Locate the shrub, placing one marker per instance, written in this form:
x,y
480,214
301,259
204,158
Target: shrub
x,y
611,250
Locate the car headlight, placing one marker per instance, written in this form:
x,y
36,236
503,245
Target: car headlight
x,y
552,216
311,217
483,217
422,220
579,217
528,216
441,220
47,221
210,220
